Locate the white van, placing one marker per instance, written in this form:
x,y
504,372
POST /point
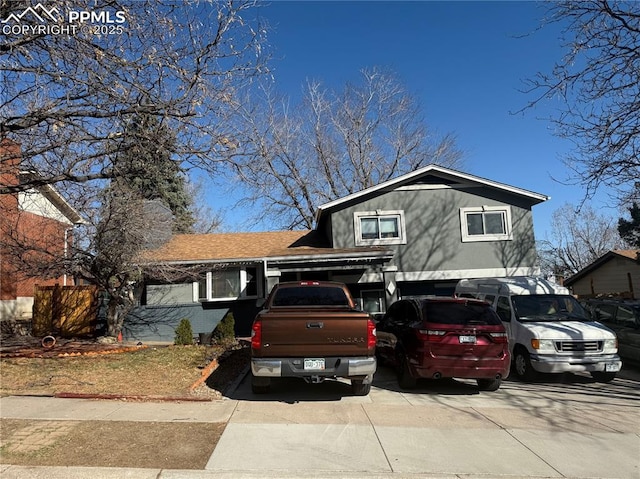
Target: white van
x,y
549,331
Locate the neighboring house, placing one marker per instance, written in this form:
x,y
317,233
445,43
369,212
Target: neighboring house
x,y
414,235
617,273
39,217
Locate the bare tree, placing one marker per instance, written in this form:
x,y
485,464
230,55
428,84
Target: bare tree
x,y
292,159
597,83
67,97
578,237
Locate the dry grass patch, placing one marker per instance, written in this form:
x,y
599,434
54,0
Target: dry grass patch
x,y
154,371
108,443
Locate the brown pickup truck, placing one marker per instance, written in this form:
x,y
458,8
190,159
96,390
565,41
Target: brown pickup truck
x,y
312,330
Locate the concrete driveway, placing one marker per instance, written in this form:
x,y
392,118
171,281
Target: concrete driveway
x,y
564,427
560,426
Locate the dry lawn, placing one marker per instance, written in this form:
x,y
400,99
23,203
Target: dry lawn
x,y
152,372
108,443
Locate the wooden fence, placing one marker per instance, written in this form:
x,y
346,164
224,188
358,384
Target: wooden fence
x,y
68,311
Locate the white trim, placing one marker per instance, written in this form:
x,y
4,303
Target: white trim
x,y
371,278
464,230
456,274
402,231
242,274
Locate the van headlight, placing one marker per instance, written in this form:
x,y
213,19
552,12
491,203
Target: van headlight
x,y
542,344
611,344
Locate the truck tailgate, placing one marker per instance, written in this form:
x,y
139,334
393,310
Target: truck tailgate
x,y
293,334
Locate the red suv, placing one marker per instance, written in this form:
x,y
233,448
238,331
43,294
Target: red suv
x,y
444,337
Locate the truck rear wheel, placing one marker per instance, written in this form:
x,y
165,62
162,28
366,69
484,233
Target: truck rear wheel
x,y
602,377
260,385
359,388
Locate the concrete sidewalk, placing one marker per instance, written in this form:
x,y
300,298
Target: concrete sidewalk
x,y
582,430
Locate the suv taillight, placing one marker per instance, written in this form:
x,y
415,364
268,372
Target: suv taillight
x,y
371,334
499,337
433,335
256,334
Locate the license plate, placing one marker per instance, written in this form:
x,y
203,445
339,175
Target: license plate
x,y
314,364
612,367
467,339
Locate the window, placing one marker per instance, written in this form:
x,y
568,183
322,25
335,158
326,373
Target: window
x,y
373,301
486,223
379,228
229,283
169,294
503,308
310,296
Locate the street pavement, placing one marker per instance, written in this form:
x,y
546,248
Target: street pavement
x,y
559,427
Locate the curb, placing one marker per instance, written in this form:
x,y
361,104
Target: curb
x,y
124,397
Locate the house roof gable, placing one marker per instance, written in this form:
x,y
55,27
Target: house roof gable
x,y
425,175
628,254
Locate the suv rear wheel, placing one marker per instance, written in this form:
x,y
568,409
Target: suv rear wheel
x,y
405,379
489,384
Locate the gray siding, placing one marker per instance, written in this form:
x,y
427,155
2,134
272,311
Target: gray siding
x,y
158,323
432,218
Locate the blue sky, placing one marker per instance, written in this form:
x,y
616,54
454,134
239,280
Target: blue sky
x,y
465,62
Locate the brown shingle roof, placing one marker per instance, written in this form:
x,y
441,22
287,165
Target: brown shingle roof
x,y
226,246
245,246
629,253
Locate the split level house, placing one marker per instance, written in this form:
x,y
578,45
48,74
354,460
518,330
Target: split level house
x,y
415,235
37,219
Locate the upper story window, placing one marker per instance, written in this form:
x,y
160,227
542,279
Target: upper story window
x,y
379,227
486,223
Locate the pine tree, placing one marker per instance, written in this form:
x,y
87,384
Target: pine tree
x,y
630,230
145,163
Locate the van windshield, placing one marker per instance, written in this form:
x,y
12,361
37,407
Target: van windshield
x,y
548,307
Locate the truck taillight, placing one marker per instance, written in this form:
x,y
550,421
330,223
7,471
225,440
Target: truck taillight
x,y
371,334
256,334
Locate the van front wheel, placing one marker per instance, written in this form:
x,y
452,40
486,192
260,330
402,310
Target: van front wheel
x,y
522,365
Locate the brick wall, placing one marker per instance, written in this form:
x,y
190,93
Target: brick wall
x,y
43,237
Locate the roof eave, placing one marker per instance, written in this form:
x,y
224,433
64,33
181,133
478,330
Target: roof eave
x,y
535,197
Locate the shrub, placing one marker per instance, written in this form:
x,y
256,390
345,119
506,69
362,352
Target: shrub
x,y
184,333
225,330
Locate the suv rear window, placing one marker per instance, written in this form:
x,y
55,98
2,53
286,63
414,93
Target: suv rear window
x,y
444,312
310,296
